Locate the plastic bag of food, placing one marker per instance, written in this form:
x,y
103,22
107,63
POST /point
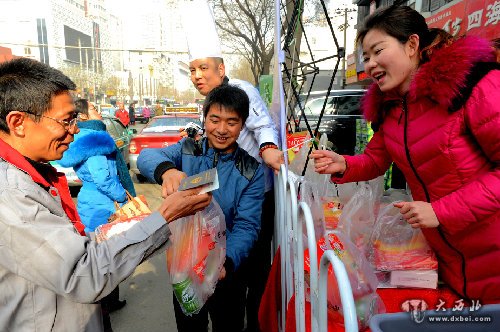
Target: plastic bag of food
x,y
398,246
358,217
196,256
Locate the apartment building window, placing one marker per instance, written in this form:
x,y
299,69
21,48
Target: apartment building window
x,y
433,5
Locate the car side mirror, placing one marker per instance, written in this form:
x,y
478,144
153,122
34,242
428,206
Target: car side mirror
x,y
132,131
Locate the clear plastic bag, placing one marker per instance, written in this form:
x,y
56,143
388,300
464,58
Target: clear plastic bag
x,y
196,256
310,194
347,190
358,217
398,246
297,165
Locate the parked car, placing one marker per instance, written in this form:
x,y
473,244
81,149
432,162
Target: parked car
x,y
120,134
161,131
339,118
142,114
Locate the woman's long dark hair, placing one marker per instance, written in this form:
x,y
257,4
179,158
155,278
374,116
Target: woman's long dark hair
x,y
401,22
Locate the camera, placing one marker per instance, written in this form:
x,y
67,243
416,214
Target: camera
x,y
192,129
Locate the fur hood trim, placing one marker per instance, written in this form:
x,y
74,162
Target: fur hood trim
x,y
440,79
88,143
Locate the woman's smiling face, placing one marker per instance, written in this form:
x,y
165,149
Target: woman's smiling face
x,y
390,63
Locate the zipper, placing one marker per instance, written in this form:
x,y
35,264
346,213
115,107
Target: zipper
x,y
426,192
407,150
216,159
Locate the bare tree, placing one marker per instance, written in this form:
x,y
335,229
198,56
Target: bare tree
x,y
243,71
247,28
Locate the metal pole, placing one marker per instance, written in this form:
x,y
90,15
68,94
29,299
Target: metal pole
x,y
88,73
82,95
345,53
95,74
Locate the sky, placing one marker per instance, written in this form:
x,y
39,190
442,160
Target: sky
x,y
129,10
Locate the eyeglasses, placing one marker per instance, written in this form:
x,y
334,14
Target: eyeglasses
x,y
69,125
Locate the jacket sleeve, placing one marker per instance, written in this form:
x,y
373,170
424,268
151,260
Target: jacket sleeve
x,y
259,121
151,159
479,198
247,220
101,176
373,162
44,249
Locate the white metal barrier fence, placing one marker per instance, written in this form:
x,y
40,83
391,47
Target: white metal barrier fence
x,y
289,237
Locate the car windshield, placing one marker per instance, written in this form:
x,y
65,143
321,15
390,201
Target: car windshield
x,y
336,105
171,123
108,110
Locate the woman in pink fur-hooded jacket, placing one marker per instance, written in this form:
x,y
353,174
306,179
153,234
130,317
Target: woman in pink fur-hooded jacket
x,y
438,116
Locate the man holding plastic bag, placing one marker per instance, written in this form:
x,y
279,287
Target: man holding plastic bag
x,y
240,195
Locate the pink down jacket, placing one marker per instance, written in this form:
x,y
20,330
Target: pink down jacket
x,y
451,159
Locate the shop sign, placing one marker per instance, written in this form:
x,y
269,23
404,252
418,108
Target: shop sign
x,y
351,71
362,76
471,17
351,59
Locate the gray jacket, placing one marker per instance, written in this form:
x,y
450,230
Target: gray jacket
x,y
51,276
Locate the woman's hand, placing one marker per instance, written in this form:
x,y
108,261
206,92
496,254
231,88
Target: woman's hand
x,y
328,162
418,214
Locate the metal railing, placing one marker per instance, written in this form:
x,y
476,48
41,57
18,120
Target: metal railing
x,y
291,218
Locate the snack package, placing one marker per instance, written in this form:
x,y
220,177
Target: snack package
x,y
106,231
332,210
126,216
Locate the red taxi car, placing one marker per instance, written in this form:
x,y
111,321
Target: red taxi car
x,y
160,132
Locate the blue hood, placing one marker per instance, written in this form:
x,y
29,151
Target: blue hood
x,y
88,143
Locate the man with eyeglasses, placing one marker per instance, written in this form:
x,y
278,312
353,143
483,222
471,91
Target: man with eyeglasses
x,y
51,273
68,125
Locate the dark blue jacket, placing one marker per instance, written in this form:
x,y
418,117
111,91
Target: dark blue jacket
x,y
241,186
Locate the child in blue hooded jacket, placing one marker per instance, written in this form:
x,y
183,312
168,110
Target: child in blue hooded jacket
x,y
95,159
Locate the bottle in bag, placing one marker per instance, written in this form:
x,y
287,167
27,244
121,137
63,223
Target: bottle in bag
x,y
187,295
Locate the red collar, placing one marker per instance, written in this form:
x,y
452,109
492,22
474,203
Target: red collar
x,y
15,158
59,182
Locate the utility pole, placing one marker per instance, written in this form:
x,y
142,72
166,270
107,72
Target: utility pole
x,y
343,28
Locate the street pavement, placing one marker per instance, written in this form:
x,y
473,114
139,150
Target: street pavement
x,y
148,291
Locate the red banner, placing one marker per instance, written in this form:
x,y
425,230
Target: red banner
x,y
471,17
